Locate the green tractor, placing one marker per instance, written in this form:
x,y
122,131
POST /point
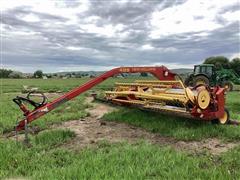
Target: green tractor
x,y
207,74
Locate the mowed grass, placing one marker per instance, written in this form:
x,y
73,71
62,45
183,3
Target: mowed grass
x,y
48,157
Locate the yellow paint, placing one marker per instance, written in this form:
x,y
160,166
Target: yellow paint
x,y
203,99
224,119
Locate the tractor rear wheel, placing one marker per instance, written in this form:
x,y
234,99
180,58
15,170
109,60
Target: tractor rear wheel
x,y
188,81
200,80
228,86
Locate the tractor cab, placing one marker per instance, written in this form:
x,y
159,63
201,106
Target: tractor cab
x,y
208,75
202,74
204,69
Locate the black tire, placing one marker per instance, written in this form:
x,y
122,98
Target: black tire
x,y
187,81
223,121
227,85
200,80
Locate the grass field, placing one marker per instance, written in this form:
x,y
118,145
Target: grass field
x,y
181,128
49,159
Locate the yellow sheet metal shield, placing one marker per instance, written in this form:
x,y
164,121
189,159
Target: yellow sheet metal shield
x,y
203,99
190,95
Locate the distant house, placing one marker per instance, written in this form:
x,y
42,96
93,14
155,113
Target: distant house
x,y
44,77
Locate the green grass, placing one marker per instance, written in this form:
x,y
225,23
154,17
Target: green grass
x,y
170,126
116,161
54,85
74,109
233,104
181,128
18,160
48,159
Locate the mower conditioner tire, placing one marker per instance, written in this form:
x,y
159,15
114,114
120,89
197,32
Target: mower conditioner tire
x,y
223,120
227,85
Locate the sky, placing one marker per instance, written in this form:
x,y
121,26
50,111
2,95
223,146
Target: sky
x,y
98,35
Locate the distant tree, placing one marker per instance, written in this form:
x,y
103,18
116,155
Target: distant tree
x,y
49,75
38,74
15,75
4,73
218,61
78,75
235,65
143,74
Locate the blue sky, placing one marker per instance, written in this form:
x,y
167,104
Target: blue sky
x,y
98,35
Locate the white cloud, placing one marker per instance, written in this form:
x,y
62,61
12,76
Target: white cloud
x,y
106,30
232,16
235,55
74,48
30,18
174,65
59,34
52,7
192,16
147,47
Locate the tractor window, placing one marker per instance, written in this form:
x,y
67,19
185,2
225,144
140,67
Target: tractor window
x,y
203,69
209,70
197,69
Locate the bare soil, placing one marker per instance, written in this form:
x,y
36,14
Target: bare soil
x,y
92,130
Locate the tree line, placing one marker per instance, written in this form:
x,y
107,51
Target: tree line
x,y
223,62
218,61
7,73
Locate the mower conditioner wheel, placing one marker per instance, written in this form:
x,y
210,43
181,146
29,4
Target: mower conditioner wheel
x,y
225,119
228,86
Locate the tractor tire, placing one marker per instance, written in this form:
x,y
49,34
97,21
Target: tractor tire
x,y
200,80
224,120
227,85
188,81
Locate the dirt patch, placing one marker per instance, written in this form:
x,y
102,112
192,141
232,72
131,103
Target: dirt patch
x,y
92,130
98,110
53,95
213,146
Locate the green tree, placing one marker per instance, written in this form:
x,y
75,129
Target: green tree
x,y
218,61
38,74
15,75
235,65
4,73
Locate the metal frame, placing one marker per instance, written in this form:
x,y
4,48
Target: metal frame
x,y
161,73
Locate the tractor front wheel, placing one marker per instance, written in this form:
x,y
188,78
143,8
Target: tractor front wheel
x,y
188,81
201,80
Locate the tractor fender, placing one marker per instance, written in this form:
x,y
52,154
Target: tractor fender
x,y
201,77
201,74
